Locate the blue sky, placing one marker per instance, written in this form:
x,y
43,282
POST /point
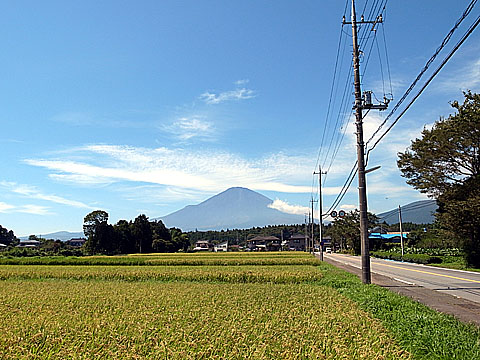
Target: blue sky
x,y
148,106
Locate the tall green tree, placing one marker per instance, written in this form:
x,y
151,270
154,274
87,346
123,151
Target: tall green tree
x,y
161,238
179,239
445,164
124,237
142,233
7,237
95,229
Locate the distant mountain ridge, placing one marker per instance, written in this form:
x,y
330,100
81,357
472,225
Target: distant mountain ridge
x,y
418,212
59,235
234,208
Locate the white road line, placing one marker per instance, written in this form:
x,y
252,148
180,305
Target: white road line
x,y
404,281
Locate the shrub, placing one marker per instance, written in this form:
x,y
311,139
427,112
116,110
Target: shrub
x,y
414,258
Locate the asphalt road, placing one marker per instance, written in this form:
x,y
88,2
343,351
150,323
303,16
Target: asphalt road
x,y
458,283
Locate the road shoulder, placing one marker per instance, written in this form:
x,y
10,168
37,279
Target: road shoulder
x,y
464,310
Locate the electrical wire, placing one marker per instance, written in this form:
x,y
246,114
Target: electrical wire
x,y
452,52
339,139
406,209
425,68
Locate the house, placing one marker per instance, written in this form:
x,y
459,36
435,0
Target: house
x,y
235,247
221,247
264,243
202,245
296,242
76,242
29,243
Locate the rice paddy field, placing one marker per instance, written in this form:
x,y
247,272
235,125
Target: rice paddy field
x,y
214,306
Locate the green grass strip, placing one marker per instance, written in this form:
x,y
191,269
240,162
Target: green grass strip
x,y
425,333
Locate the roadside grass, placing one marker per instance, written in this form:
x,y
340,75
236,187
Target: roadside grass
x,y
438,260
457,264
425,333
151,320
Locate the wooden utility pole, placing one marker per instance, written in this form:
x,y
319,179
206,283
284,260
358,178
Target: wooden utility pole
x,y
359,106
401,228
320,208
306,231
312,239
362,186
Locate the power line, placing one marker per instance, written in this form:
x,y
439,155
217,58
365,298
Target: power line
x,y
339,138
344,189
342,117
404,210
452,52
425,68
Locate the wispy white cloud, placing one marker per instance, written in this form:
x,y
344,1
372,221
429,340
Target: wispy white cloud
x,y
186,128
28,209
462,79
33,209
32,192
4,207
200,171
81,179
285,207
241,82
240,93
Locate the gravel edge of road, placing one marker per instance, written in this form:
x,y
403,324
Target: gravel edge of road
x,y
464,310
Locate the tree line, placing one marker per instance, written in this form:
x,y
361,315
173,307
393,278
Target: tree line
x,y
240,236
126,237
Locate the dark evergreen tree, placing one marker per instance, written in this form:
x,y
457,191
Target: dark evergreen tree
x,y
7,237
445,164
142,233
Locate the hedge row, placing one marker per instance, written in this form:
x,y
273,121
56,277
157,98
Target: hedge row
x,y
414,258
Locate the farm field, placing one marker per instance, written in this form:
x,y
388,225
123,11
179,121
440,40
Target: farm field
x,y
229,311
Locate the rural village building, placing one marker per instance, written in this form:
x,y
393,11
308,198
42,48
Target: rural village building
x,y
76,242
264,243
221,247
29,243
202,245
296,242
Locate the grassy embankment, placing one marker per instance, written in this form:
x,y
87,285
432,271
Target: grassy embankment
x,y
260,306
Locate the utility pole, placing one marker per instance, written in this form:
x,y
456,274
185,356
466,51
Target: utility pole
x,y
401,230
306,231
361,104
313,230
312,241
320,207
